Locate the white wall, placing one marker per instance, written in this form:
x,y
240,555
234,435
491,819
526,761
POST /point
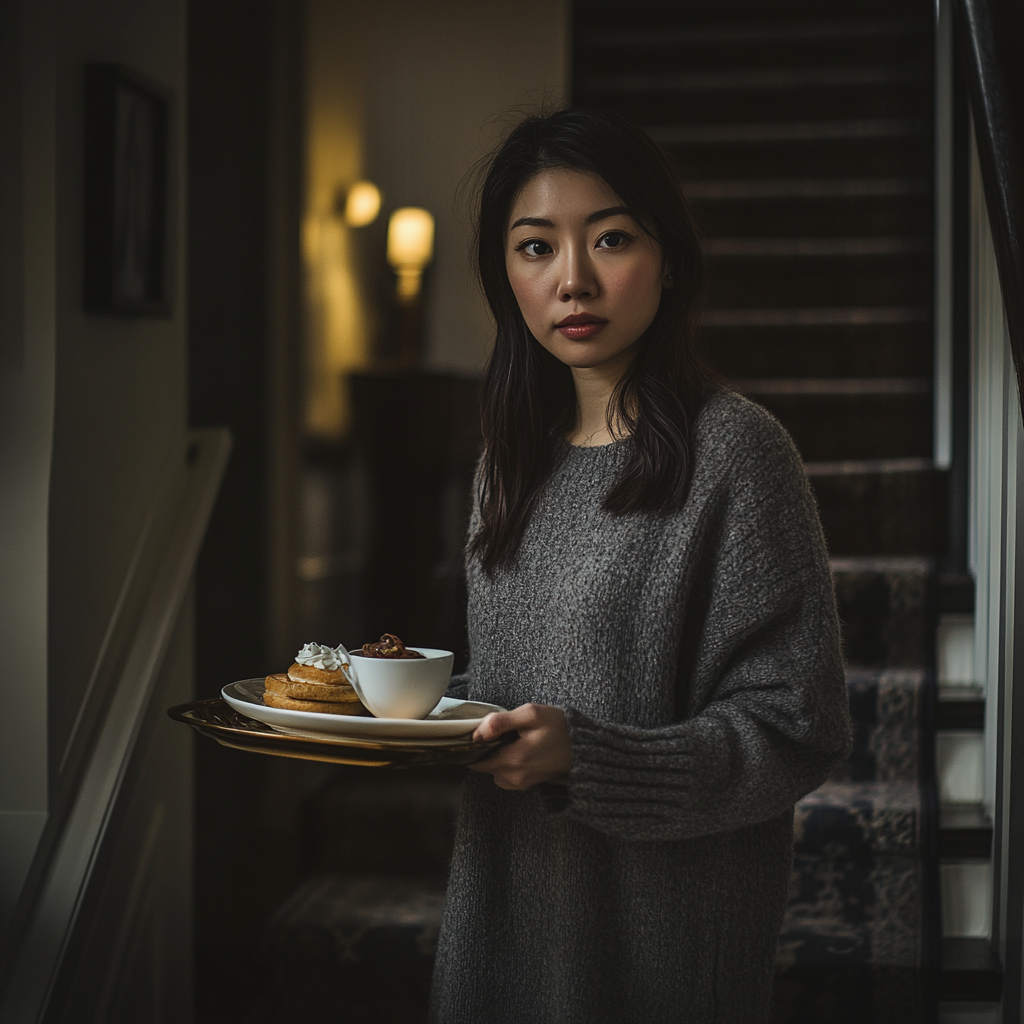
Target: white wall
x,y
407,94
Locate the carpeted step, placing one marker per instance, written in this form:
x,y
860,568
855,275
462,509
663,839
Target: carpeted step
x,y
398,822
888,707
885,609
879,507
862,347
352,949
813,207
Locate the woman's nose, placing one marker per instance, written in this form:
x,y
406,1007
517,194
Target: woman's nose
x,y
578,279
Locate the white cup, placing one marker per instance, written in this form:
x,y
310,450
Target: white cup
x,y
402,687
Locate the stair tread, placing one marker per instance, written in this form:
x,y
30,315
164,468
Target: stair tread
x,y
766,31
826,245
789,131
833,385
814,316
712,189
759,78
870,467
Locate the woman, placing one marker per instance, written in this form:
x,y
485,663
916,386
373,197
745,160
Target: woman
x,y
649,591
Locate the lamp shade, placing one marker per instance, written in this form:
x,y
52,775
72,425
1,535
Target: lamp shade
x,y
410,238
362,204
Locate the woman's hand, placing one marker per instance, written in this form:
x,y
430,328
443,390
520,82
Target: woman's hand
x,y
542,753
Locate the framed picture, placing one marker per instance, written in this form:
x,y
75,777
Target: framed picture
x,y
127,262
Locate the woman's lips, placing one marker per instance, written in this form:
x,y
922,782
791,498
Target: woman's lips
x,y
577,328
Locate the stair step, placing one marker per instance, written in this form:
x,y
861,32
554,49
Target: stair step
x,y
884,609
813,350
959,714
971,971
373,821
884,506
886,706
815,316
845,821
870,245
837,427
900,279
351,949
882,156
754,79
790,131
965,832
817,218
834,386
805,188
765,32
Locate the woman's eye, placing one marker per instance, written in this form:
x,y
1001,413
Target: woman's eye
x,y
534,247
612,240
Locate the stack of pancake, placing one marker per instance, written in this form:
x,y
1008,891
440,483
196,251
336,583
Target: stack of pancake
x,y
309,688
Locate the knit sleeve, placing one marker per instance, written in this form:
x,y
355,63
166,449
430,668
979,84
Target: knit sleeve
x,y
767,716
459,685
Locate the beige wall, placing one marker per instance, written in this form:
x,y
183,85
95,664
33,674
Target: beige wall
x,y
406,93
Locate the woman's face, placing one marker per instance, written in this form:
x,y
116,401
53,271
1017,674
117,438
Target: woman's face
x,y
587,277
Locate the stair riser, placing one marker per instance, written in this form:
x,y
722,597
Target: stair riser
x,y
804,102
810,218
674,55
888,157
883,514
738,282
643,13
836,427
871,350
885,616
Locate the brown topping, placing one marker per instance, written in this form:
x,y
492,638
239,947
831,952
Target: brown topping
x,y
389,646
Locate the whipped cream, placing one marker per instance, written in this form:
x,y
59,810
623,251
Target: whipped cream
x,y
330,659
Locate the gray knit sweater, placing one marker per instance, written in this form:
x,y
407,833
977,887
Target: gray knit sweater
x,y
697,658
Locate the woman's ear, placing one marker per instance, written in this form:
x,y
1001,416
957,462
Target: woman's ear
x,y
666,280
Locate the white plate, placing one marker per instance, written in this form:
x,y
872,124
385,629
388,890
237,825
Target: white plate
x,y
450,718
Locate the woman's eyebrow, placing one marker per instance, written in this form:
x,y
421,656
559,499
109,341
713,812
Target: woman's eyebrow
x,y
612,211
543,222
533,222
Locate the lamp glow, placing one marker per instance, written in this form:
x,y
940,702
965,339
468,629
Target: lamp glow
x,y
362,204
410,247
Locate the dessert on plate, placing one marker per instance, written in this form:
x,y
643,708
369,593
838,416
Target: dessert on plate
x,y
320,680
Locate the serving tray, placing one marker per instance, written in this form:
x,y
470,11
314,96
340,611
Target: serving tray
x,y
218,720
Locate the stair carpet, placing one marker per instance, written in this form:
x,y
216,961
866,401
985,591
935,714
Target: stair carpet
x,y
804,137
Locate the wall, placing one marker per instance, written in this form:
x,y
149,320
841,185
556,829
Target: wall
x,y
94,405
407,94
119,410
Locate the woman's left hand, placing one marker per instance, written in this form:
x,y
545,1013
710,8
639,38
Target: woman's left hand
x,y
542,753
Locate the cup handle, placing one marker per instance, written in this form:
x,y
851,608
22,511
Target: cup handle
x,y
353,678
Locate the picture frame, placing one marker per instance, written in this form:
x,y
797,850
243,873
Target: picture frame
x,y
126,224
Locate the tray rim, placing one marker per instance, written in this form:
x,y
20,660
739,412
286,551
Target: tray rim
x,y
265,740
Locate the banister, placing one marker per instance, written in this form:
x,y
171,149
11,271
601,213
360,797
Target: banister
x,y
989,36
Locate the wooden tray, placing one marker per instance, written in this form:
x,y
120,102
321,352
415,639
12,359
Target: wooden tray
x,y
218,720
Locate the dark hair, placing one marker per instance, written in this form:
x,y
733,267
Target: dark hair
x,y
529,401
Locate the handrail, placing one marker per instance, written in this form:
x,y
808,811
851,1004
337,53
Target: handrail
x,y
50,910
989,34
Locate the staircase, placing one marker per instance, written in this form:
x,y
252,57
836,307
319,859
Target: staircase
x,y
804,136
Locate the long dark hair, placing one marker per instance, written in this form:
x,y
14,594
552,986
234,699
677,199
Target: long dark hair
x,y
529,399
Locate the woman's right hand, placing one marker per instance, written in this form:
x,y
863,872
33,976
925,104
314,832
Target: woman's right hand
x,y
542,753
